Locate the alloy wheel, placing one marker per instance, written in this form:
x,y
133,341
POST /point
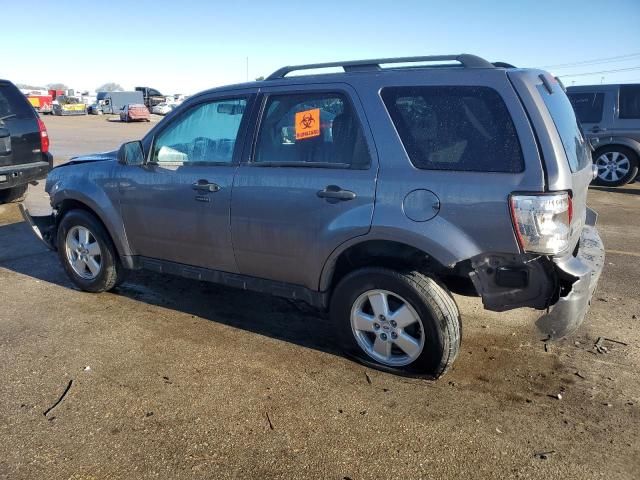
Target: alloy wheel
x,y
387,328
612,166
83,252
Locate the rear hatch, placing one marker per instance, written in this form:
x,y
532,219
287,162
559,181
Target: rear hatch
x,y
19,131
565,152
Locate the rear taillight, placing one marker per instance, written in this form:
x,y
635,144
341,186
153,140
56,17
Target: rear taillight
x,y
542,222
44,137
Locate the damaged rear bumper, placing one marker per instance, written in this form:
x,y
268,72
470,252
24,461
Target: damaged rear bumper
x,y
563,286
581,274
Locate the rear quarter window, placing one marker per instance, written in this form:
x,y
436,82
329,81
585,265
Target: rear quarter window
x,y
464,128
13,102
564,118
629,101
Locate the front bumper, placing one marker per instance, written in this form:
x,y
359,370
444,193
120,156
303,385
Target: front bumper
x,y
42,225
16,175
584,270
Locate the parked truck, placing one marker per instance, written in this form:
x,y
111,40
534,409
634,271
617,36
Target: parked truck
x,y
40,100
152,97
67,105
112,102
55,93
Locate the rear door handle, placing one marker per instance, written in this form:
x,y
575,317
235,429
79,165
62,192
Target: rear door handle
x,y
334,192
597,129
206,186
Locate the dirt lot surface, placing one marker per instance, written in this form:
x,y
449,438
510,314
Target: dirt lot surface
x,y
177,379
71,136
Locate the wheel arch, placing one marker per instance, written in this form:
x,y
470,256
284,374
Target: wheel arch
x,y
629,143
116,233
379,252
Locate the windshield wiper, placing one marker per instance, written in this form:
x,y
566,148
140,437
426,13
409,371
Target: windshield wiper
x,y
11,115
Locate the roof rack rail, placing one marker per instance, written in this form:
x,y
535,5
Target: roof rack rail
x,y
466,60
503,65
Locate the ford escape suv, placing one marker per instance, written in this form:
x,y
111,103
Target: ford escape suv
x,y
610,116
369,192
24,144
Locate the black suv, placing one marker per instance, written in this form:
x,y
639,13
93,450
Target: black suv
x,y
24,144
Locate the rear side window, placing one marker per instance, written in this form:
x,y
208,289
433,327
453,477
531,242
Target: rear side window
x,y
629,101
311,129
461,128
588,106
13,102
564,118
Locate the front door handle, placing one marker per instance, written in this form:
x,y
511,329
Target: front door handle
x,y
205,186
334,192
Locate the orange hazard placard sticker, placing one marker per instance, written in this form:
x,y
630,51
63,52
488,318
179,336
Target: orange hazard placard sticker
x,y
308,124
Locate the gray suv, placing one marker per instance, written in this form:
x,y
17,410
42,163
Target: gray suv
x,y
610,116
370,193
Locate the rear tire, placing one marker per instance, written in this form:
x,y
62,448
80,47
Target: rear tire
x,y
617,165
87,252
419,332
13,194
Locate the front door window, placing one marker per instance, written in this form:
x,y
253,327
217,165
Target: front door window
x,y
206,134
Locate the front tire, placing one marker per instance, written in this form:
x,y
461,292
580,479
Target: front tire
x,y
87,252
399,322
616,165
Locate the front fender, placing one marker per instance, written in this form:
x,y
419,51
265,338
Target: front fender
x,y
85,190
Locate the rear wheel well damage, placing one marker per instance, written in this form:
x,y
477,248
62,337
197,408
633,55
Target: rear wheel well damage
x,y
505,281
386,254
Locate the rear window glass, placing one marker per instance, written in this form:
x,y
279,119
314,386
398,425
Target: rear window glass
x,y
629,101
462,128
13,102
564,118
588,106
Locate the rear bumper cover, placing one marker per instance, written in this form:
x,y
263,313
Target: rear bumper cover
x,y
16,175
584,270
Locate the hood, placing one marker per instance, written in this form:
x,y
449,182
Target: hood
x,y
93,157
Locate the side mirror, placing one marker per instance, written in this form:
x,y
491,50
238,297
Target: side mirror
x,y
131,153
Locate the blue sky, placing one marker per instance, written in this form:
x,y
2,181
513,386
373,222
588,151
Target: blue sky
x,y
187,46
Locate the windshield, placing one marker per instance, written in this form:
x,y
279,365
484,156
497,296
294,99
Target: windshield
x,y
567,126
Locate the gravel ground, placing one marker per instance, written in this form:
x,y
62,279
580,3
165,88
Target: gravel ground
x,y
173,378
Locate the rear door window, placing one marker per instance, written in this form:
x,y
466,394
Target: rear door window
x,y
588,106
564,118
464,128
311,129
13,102
629,101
